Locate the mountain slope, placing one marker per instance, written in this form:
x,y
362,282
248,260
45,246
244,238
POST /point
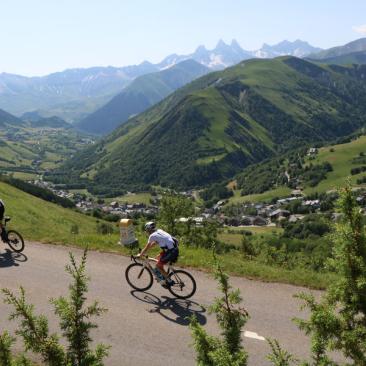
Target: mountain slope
x,y
224,121
347,59
7,119
83,87
358,45
141,94
75,93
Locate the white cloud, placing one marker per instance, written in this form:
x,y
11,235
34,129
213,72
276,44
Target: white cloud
x,y
360,29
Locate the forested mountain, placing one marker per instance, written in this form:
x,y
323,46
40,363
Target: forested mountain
x,y
220,123
141,94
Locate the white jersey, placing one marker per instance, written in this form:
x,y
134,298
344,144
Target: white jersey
x,y
164,239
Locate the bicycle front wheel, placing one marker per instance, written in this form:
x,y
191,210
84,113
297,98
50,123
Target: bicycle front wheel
x,y
15,241
184,284
139,277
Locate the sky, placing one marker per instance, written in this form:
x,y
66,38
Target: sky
x,y
38,37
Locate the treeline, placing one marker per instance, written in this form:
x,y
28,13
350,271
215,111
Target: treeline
x,y
36,191
215,193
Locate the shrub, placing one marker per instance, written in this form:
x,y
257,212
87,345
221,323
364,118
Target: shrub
x,y
75,323
231,318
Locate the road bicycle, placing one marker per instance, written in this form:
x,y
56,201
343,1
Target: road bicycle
x,y
12,237
140,276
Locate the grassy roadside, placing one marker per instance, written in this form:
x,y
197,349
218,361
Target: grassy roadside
x,y
45,222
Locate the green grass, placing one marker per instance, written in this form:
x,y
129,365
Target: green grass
x,y
234,237
260,197
25,176
235,264
45,222
341,163
143,197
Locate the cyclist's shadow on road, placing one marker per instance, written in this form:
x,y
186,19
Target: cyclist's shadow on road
x,y
11,259
175,310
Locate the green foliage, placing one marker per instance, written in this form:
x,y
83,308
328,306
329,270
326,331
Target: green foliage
x,y
74,229
204,236
227,350
75,318
279,356
104,229
75,324
215,193
338,321
247,247
6,357
310,225
172,207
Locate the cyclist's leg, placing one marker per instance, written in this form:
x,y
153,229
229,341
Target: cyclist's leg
x,y
165,258
161,263
2,211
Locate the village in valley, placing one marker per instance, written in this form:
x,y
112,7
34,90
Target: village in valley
x,y
291,209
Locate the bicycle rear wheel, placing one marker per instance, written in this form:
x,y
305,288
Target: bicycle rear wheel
x,y
15,241
139,277
184,284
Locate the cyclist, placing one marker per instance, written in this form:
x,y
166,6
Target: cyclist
x,y
2,211
169,246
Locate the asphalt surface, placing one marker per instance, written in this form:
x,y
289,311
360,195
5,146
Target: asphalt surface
x,y
150,328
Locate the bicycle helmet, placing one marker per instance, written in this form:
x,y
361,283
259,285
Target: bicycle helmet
x,y
150,226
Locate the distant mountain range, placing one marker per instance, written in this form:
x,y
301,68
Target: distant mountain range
x,y
141,94
224,55
73,94
218,124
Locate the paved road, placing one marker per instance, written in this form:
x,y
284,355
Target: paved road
x,y
149,328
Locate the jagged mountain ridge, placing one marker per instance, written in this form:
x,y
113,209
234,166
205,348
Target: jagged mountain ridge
x,y
73,94
225,55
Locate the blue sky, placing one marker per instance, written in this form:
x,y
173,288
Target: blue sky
x,y
42,36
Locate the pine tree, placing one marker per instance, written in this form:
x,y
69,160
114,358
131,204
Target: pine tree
x,y
338,321
227,350
74,322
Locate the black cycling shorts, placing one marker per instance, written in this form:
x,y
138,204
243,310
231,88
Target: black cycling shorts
x,y
170,255
2,210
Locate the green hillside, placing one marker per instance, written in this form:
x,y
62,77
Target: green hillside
x,y
343,158
348,59
359,45
222,122
141,94
7,119
31,147
263,182
43,221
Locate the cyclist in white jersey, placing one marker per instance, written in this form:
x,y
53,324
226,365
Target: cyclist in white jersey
x,y
167,243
